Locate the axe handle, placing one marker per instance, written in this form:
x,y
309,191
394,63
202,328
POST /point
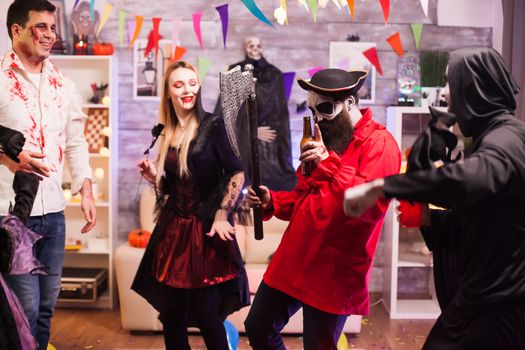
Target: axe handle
x,y
254,162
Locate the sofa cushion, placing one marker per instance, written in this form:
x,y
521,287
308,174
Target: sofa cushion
x,y
240,236
255,273
147,209
259,251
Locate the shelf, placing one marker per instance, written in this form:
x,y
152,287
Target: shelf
x,y
88,251
80,57
94,105
408,258
85,70
408,263
97,204
416,309
98,155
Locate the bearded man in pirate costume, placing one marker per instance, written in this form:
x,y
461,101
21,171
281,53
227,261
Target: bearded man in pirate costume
x,y
323,261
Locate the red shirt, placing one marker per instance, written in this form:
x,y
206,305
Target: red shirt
x,y
324,258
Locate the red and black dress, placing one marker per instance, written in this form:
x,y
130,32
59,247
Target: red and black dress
x,y
185,257
181,262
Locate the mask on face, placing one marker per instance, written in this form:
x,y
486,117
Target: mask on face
x,y
323,107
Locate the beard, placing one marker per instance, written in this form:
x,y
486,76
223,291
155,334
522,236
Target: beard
x,y
337,133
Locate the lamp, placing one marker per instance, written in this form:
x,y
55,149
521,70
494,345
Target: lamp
x,y
149,73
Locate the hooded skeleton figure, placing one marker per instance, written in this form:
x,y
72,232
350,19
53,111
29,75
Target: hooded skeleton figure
x,y
273,127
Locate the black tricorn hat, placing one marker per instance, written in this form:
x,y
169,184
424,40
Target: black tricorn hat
x,y
334,82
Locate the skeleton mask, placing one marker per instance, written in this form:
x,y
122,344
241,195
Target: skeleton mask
x,y
324,107
253,48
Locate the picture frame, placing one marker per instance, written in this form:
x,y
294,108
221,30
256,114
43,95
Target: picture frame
x,y
61,45
148,71
348,55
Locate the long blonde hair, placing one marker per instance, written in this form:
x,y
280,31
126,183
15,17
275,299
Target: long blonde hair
x,y
168,117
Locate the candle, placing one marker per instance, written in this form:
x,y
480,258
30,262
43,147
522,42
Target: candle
x,y
80,47
99,173
104,151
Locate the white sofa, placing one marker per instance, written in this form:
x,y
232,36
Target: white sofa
x,y
137,314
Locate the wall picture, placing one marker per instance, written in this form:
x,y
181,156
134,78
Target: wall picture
x,y
149,69
349,55
61,43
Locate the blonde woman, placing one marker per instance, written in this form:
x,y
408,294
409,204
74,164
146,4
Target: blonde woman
x,y
192,271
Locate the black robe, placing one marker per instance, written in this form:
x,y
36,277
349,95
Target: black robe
x,y
277,171
486,194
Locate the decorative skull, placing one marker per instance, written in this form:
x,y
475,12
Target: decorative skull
x,y
253,48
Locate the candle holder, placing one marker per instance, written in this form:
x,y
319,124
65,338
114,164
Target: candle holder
x,y
80,46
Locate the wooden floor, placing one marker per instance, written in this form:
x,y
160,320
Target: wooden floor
x,y
76,329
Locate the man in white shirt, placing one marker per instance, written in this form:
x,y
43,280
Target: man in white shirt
x,y
40,102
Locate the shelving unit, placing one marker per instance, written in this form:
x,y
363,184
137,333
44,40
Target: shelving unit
x,y
405,124
85,70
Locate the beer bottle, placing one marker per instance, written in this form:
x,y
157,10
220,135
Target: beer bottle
x,y
307,167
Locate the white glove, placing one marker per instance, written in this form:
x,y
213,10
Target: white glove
x,y
361,197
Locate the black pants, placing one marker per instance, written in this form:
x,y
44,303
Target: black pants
x,y
202,308
270,312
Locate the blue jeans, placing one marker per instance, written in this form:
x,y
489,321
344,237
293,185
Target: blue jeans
x,y
38,293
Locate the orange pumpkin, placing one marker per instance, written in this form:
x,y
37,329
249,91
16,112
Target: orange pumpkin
x,y
103,49
139,238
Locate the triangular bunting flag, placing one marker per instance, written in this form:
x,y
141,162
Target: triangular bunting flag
x,y
138,27
314,70
204,65
156,37
303,2
76,3
153,42
131,29
197,27
178,53
323,3
92,9
288,80
280,15
424,5
313,7
252,7
385,5
223,13
417,29
351,7
395,41
336,2
105,17
121,22
283,5
371,55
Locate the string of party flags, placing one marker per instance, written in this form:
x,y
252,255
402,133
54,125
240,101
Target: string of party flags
x,y
135,26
